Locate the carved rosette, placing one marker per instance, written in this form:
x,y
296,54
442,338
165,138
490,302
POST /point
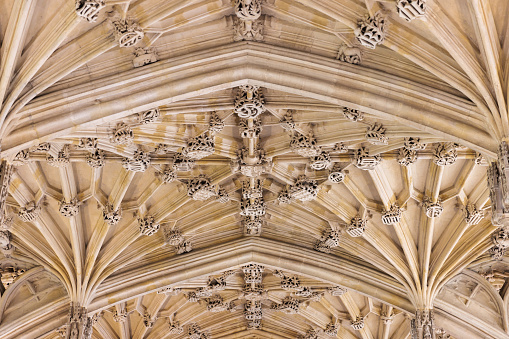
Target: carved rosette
x,y
473,216
371,30
199,147
248,10
366,162
304,146
222,196
376,134
304,189
175,328
290,305
216,125
89,144
411,9
248,130
182,164
21,158
148,225
253,273
144,56
252,207
121,316
89,9
62,159
110,215
445,154
249,102
287,122
122,134
353,114
336,174
247,30
149,116
358,323
328,241
95,159
138,163
392,216
433,209
30,212
331,330
480,159
128,32
284,197
200,188
169,175
351,55
184,247
406,156
69,209
320,162
414,144
423,325
356,227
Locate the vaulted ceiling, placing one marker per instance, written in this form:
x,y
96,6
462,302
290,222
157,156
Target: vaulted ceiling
x,y
160,149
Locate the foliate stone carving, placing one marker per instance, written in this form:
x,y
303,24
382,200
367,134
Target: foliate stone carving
x,y
9,275
21,158
433,209
498,185
371,30
353,114
88,143
329,240
5,238
122,134
392,216
182,164
138,163
169,291
110,215
501,237
406,156
175,328
216,125
287,121
497,252
144,56
253,273
216,304
252,225
219,283
366,162
480,159
95,159
30,212
62,159
356,227
79,324
249,102
184,247
149,116
42,147
253,310
310,334
173,236
336,291
288,283
445,153
473,216
284,197
199,147
304,189
303,145
254,292
194,331
336,174
164,149
69,209
376,134
128,32
423,325
414,144
121,316
247,30
252,191
321,161
340,148
248,10
253,207
290,305
5,180
89,9
442,334
200,188
248,130
411,9
169,175
331,330
148,321
251,166
222,196
358,323
351,55
148,225
61,331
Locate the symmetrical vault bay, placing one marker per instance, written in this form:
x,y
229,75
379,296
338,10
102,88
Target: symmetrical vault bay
x,y
254,169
